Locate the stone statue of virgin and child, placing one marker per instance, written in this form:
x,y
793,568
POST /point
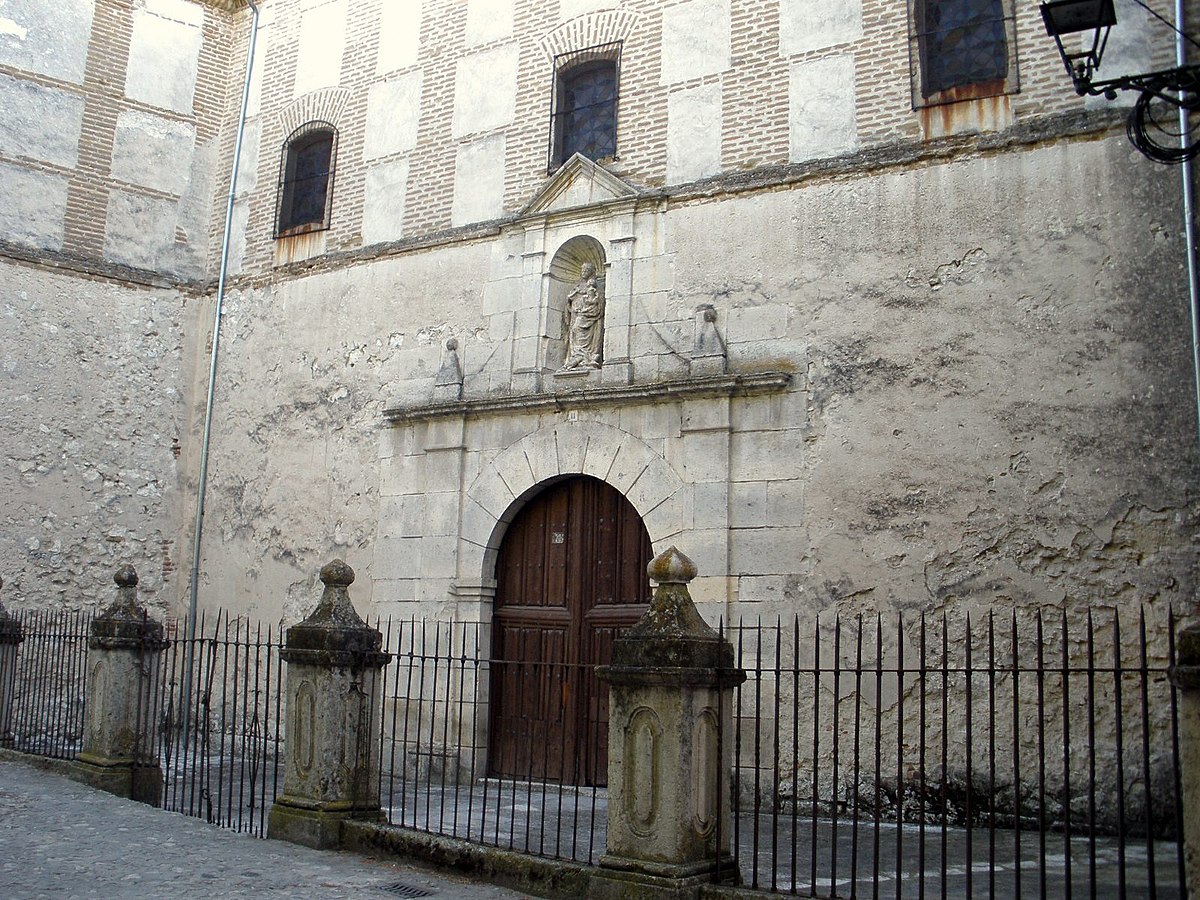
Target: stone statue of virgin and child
x,y
583,322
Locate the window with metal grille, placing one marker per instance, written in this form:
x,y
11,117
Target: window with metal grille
x,y
306,179
584,114
962,49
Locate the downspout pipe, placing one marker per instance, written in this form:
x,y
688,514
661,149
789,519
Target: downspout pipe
x,y
1189,218
216,344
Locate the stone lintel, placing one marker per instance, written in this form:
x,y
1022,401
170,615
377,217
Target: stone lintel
x,y
605,395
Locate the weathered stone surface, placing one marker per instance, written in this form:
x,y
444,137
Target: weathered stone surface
x,y
164,54
46,38
40,123
322,41
118,723
696,40
668,813
485,91
33,207
332,767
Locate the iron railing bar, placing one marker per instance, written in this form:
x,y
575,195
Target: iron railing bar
x,y
1119,710
1151,878
1066,751
970,822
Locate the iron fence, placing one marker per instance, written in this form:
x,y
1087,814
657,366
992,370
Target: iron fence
x,y
49,683
914,756
1001,755
441,774
218,709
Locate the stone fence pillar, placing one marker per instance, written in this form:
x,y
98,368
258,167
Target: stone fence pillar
x,y
669,747
10,637
332,760
119,715
1186,676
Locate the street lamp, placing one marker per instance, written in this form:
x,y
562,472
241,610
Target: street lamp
x,y
1163,95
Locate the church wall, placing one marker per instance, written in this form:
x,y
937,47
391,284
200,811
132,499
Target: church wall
x,y
989,398
95,420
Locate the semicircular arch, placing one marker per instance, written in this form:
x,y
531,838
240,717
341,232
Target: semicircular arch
x,y
559,451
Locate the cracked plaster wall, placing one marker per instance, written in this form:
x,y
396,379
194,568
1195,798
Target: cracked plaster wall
x,y
93,417
995,349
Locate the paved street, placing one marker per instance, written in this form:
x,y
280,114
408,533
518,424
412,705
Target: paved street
x,y
61,840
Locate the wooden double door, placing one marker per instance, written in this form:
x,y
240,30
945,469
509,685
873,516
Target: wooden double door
x,y
571,576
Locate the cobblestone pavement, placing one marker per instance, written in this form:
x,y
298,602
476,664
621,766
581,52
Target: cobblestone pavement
x,y
61,840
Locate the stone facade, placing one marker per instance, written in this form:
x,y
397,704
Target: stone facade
x,y
946,362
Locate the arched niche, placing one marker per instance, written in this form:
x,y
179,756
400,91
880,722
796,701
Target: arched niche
x,y
563,274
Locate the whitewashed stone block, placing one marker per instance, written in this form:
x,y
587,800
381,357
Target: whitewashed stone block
x,y
479,180
485,91
569,9
393,115
321,44
140,230
153,152
693,133
33,207
815,24
164,55
821,108
46,38
695,40
399,35
39,122
488,20
383,204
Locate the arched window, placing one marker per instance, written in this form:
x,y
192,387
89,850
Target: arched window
x,y
585,104
306,179
964,49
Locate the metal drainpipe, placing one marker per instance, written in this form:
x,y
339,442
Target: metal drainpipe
x,y
1189,222
212,366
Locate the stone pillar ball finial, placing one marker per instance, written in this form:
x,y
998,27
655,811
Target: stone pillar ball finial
x,y
671,567
452,344
337,573
126,576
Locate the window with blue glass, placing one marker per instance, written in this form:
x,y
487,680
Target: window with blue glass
x,y
584,118
306,180
964,49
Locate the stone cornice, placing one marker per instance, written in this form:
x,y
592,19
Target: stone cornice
x,y
615,395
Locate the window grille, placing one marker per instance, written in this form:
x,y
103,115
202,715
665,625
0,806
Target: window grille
x,y
962,50
306,180
583,114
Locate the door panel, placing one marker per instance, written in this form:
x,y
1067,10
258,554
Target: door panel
x,y
571,576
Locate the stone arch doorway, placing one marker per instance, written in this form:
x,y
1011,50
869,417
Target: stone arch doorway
x,y
570,578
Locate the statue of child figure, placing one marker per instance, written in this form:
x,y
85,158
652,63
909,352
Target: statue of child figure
x,y
583,322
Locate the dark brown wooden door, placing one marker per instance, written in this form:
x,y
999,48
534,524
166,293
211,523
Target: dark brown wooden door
x,y
571,576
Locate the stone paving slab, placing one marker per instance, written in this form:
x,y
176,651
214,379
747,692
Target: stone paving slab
x,y
61,840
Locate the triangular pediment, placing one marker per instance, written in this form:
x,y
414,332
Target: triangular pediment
x,y
578,182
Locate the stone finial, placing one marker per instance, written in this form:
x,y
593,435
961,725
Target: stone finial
x,y
671,567
448,385
709,354
10,628
672,633
334,633
125,622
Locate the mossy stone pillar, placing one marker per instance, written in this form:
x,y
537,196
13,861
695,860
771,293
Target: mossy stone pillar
x,y
1186,675
669,747
11,636
118,735
332,764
